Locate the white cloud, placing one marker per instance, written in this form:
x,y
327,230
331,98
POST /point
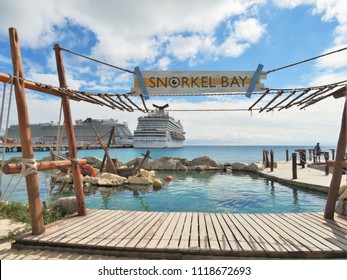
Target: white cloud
x,y
250,30
334,61
36,21
190,46
163,63
242,34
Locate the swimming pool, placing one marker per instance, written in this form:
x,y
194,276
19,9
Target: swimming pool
x,y
215,192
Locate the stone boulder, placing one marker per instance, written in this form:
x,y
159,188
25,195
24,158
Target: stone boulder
x,y
205,160
136,161
67,205
106,179
15,159
139,181
239,166
341,205
94,161
255,167
165,163
181,167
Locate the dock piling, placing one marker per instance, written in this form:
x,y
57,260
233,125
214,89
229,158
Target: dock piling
x,y
294,166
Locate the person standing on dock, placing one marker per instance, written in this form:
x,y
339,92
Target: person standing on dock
x,y
317,152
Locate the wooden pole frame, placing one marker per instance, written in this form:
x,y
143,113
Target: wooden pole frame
x,y
32,183
338,169
70,134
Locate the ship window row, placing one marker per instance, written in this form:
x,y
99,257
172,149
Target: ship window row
x,y
149,134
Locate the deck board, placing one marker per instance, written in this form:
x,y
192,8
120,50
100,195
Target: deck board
x,y
301,234
176,235
283,236
164,242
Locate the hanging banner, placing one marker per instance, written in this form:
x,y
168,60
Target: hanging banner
x,y
171,82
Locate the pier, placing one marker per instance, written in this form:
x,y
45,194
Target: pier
x,y
47,147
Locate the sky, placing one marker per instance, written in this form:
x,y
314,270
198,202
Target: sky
x,y
206,35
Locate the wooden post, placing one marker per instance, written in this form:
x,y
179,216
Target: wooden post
x,y
70,135
266,158
32,183
287,155
271,160
113,168
332,154
338,169
294,168
108,147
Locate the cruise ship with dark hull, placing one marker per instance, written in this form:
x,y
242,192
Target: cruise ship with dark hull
x,y
47,133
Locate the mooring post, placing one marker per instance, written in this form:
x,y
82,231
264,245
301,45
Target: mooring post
x,y
335,183
31,178
266,162
294,167
271,160
332,154
287,155
70,134
302,157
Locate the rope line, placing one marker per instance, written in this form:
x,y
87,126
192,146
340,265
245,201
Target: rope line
x,y
6,130
306,60
211,110
98,61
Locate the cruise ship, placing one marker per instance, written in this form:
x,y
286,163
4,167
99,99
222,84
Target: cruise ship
x,y
158,130
46,133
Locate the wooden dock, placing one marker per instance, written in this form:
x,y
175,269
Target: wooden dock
x,y
186,235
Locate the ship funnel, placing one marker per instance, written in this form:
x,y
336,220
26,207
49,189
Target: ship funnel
x,y
161,108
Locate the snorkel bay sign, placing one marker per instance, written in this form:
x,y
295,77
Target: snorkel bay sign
x,y
171,82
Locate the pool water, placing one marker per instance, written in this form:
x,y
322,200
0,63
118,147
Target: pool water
x,y
218,192
233,192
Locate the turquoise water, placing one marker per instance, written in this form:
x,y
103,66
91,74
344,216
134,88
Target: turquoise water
x,y
233,192
230,192
222,154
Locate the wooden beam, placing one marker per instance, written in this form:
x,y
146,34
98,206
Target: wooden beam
x,y
6,78
70,135
103,146
15,168
338,169
32,183
341,92
331,163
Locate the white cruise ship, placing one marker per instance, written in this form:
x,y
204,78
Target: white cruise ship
x,y
158,130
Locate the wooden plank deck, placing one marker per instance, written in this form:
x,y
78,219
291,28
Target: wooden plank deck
x,y
193,235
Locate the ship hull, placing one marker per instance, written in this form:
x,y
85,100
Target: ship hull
x,y
152,144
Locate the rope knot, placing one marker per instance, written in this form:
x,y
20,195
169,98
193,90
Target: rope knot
x,y
29,166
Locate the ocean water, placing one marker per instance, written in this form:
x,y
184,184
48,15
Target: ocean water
x,y
230,192
222,154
